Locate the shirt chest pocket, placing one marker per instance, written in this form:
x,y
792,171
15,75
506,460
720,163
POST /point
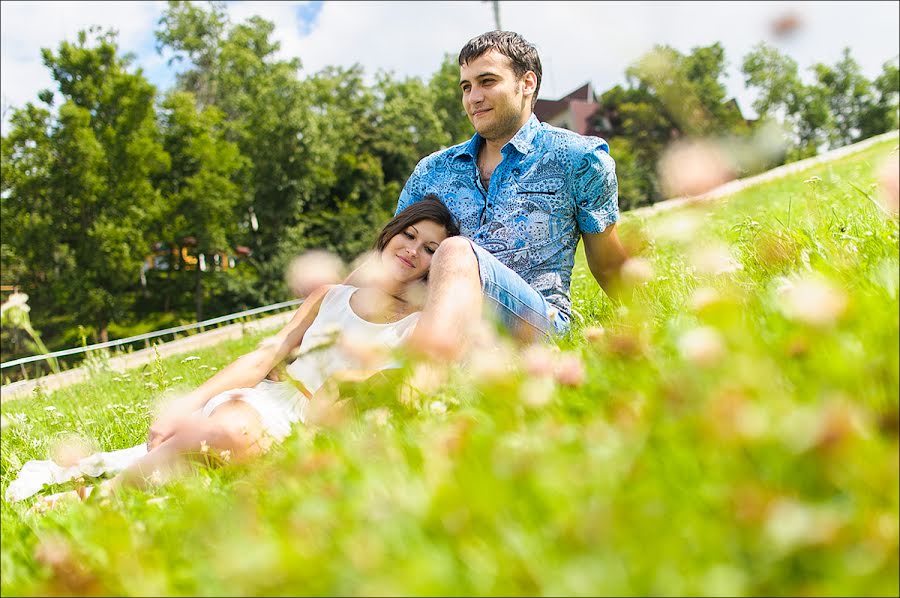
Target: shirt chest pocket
x,y
542,208
546,195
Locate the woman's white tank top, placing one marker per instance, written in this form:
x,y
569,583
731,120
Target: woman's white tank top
x,y
329,343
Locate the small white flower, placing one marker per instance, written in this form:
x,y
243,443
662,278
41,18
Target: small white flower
x,y
49,408
225,455
177,378
156,477
191,358
203,446
437,407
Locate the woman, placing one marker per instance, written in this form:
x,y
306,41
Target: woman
x,y
236,414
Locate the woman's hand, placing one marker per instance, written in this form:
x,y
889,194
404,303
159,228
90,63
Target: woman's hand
x,y
168,422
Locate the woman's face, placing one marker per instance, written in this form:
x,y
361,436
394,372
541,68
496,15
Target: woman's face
x,y
407,255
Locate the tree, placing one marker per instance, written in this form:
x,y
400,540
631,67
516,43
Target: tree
x,y
880,115
444,86
200,191
847,94
93,186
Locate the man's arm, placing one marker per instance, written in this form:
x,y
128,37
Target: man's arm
x,y
605,256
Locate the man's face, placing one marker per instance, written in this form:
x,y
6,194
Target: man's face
x,y
497,102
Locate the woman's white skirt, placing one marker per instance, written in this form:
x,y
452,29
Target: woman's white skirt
x,y
279,405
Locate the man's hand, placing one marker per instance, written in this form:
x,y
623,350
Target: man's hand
x,y
605,256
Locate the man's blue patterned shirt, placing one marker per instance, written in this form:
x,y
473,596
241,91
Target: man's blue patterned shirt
x,y
551,186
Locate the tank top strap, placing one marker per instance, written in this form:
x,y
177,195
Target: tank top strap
x,y
337,298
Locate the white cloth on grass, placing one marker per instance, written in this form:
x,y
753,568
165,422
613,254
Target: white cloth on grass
x,y
37,473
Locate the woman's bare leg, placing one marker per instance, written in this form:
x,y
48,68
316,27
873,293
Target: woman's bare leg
x,y
233,432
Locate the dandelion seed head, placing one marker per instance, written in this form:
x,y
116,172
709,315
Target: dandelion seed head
x,y
702,346
812,300
537,392
69,449
704,297
690,168
489,364
380,416
637,271
714,260
312,270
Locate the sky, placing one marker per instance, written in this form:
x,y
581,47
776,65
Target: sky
x,y
577,41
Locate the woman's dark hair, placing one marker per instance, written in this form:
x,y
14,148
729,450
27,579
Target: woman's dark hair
x,y
428,208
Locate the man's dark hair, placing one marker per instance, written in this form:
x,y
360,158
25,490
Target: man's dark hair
x,y
430,208
522,54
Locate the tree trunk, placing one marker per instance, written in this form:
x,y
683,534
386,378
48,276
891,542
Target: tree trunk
x,y
198,294
104,332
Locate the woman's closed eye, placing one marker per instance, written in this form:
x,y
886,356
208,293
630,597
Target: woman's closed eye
x,y
430,250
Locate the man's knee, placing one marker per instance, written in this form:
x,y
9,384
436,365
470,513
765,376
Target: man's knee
x,y
455,253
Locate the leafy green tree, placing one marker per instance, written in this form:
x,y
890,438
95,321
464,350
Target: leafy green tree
x,y
444,86
847,94
881,115
200,191
85,207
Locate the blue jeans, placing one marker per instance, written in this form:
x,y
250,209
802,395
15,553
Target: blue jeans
x,y
516,304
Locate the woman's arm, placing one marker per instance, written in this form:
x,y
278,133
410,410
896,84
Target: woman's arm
x,y
246,371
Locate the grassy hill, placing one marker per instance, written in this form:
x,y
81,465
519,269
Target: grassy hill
x,y
729,428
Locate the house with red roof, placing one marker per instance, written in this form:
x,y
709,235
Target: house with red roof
x,y
578,111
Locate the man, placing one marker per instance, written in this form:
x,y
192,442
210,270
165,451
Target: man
x,y
524,192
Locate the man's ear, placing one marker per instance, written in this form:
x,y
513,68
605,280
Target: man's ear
x,y
529,83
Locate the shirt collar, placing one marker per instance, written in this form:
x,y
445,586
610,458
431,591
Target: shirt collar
x,y
523,140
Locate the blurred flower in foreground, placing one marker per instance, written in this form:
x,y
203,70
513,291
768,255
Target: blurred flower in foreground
x,y
594,334
703,298
636,271
786,25
714,260
538,360
14,312
569,370
55,553
70,449
889,184
313,269
678,226
813,301
702,346
791,524
537,392
689,168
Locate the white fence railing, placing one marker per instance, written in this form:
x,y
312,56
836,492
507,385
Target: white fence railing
x,y
151,335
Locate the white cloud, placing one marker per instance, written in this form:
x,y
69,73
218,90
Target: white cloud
x,y
29,26
578,41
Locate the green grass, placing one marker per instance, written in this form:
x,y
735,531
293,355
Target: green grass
x,y
760,460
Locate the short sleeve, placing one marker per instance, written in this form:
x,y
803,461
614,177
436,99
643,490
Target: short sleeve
x,y
414,189
596,191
